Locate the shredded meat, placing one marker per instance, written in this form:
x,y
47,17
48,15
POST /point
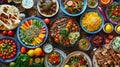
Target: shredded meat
x,y
3,15
5,9
107,57
4,20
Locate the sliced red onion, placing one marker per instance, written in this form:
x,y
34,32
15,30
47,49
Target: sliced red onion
x,y
102,12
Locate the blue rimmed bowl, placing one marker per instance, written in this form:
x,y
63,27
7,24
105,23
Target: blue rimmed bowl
x,y
76,14
39,40
17,49
109,13
96,31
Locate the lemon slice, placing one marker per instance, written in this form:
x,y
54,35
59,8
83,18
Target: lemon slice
x,y
37,60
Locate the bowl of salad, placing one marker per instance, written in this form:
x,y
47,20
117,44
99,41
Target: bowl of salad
x,y
113,13
32,32
77,59
9,49
73,7
55,58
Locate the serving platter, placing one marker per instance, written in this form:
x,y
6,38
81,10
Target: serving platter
x,y
36,57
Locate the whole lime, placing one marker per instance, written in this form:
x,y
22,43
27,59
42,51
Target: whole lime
x,y
12,64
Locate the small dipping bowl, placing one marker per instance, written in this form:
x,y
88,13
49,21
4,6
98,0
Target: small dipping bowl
x,y
117,29
97,40
48,48
84,44
108,28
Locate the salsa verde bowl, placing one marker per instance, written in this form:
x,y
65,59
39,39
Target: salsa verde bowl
x,y
77,11
92,21
32,32
9,49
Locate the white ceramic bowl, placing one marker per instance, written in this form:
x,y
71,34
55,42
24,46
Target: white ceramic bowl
x,y
51,14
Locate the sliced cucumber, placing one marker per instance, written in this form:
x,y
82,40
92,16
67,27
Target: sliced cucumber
x,y
37,60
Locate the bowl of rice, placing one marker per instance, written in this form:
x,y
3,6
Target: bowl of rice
x,y
92,21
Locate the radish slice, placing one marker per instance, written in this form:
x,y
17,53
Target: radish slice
x,y
70,3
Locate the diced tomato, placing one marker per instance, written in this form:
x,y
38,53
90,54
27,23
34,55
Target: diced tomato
x,y
3,40
3,57
67,42
0,41
70,11
8,40
14,53
9,57
119,15
43,53
107,41
76,65
81,62
6,51
15,50
7,54
73,5
116,7
110,36
57,36
70,23
11,41
116,13
14,46
76,28
65,0
56,40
